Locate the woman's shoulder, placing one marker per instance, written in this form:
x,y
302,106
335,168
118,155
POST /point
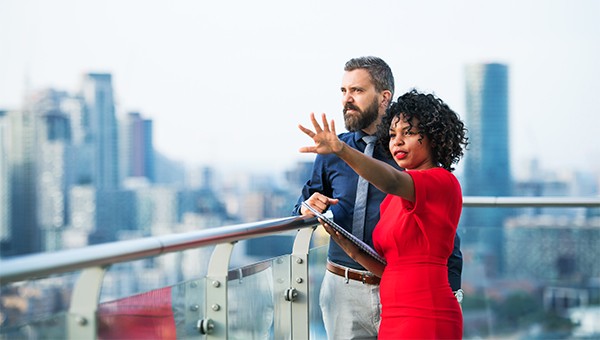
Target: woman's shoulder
x,y
441,172
434,177
432,172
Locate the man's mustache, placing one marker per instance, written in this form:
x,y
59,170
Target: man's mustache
x,y
350,107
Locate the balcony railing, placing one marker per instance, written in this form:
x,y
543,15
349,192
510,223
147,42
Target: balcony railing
x,y
79,294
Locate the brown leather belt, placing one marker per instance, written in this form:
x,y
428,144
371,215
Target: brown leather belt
x,y
353,275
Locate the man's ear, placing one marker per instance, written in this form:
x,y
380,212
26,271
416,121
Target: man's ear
x,y
386,98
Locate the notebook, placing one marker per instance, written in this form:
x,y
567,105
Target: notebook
x,y
362,245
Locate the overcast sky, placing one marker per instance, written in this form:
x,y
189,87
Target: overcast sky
x,y
227,82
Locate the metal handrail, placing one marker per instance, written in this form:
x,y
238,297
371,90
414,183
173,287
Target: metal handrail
x,y
40,265
44,264
537,201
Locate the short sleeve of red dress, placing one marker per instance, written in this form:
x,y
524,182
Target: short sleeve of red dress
x,y
438,204
431,219
436,188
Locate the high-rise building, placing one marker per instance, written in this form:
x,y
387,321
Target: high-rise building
x,y
22,235
156,210
53,159
138,149
487,169
82,212
115,212
546,248
80,162
4,180
102,130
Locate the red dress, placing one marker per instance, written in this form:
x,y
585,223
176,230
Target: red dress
x,y
416,238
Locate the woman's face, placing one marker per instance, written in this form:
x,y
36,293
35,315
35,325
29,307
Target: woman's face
x,y
409,149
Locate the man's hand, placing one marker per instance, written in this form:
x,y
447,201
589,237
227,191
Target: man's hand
x,y
318,201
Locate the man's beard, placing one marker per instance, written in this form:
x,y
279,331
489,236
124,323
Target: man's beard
x,y
364,119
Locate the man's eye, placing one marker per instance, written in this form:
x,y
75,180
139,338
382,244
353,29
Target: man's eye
x,y
392,135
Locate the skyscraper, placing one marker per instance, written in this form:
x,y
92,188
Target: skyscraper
x,y
138,150
101,126
23,234
487,169
52,163
4,181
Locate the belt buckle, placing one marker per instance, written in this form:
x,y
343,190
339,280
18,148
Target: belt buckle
x,y
364,278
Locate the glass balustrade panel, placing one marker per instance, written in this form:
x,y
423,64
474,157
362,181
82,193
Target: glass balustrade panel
x,y
157,297
317,260
257,308
43,327
534,276
36,309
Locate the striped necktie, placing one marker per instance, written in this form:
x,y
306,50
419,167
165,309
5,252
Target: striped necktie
x,y
362,188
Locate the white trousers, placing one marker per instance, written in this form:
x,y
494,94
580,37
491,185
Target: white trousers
x,y
350,310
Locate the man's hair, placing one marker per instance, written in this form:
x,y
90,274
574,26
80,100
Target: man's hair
x,y
380,72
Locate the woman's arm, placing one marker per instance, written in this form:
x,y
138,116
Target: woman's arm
x,y
355,253
382,175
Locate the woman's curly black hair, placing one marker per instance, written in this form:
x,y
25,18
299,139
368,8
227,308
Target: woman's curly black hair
x,y
443,127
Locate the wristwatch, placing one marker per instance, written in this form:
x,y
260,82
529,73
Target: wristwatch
x,y
459,295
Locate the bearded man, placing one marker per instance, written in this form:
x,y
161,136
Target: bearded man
x,y
349,296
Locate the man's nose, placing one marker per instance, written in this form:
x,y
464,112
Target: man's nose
x,y
347,98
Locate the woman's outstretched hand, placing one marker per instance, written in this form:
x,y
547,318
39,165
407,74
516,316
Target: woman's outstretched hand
x,y
326,139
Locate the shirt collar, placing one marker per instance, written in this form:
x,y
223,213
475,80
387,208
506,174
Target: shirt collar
x,y
358,135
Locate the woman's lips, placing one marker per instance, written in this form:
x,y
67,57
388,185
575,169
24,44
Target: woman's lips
x,y
400,154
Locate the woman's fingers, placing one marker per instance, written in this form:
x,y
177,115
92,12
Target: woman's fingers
x,y
333,127
315,123
321,135
325,124
308,132
318,129
328,229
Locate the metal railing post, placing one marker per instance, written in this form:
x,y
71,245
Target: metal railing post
x,y
215,325
298,293
82,319
282,318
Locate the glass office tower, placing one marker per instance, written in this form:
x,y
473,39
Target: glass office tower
x,y
139,149
487,163
22,235
4,182
101,124
52,164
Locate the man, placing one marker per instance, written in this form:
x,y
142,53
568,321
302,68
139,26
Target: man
x,y
349,296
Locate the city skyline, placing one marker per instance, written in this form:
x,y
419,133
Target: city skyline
x,y
227,89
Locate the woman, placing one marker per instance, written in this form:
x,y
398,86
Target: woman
x,y
419,216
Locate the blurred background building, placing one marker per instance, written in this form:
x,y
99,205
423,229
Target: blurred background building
x,y
487,168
